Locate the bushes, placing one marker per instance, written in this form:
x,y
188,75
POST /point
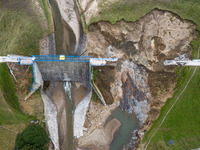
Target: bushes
x,y
34,137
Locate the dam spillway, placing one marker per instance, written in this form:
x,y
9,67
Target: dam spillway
x,y
64,68
65,71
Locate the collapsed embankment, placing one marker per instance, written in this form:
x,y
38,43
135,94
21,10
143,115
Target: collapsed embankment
x,y
140,82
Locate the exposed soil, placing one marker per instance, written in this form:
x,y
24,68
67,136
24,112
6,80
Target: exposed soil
x,y
79,91
23,75
104,78
162,86
104,138
140,80
56,92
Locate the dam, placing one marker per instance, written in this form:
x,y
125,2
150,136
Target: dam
x,y
60,68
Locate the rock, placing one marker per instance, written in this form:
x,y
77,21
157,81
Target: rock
x,y
141,83
170,142
96,134
68,14
141,109
47,45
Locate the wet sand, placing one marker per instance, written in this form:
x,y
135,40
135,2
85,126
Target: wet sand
x,y
100,138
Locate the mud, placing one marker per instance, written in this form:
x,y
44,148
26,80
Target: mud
x,y
141,81
103,80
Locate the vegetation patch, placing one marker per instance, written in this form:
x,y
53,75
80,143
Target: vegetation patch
x,y
48,14
94,73
94,96
182,123
33,137
132,10
10,112
181,74
20,32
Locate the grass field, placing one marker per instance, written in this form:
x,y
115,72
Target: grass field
x,y
132,10
10,111
183,122
20,32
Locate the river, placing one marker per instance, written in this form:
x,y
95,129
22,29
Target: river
x,y
65,44
128,124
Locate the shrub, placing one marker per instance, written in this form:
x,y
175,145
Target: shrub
x,y
34,137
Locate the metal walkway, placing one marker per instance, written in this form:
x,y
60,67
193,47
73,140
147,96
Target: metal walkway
x,y
60,68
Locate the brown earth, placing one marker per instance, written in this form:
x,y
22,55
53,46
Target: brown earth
x,y
23,74
103,80
100,138
141,48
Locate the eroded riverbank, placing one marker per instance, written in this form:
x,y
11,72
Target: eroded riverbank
x,y
139,83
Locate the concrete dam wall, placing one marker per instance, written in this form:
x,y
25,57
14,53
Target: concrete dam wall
x,y
64,71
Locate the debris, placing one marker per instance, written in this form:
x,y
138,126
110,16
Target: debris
x,y
170,142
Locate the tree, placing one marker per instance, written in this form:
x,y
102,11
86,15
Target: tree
x,y
34,137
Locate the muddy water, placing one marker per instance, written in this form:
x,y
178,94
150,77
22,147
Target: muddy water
x,y
65,44
128,124
64,36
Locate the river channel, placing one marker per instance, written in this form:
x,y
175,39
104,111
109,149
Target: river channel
x,y
65,44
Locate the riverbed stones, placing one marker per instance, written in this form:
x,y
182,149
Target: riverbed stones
x,y
141,47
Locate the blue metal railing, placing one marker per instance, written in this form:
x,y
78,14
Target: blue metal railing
x,y
57,58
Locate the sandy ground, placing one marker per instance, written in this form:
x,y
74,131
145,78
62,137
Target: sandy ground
x,y
56,93
100,138
78,92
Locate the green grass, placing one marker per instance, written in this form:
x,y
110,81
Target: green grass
x,y
95,72
178,70
94,96
132,11
10,111
48,14
183,123
181,74
19,33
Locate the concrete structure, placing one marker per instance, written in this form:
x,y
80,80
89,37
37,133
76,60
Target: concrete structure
x,y
60,68
183,61
65,71
195,62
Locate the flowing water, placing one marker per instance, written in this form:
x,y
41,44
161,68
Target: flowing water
x,y
128,124
65,44
64,36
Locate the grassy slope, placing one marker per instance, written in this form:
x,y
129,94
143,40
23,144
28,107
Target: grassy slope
x,y
19,34
183,122
10,111
132,11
